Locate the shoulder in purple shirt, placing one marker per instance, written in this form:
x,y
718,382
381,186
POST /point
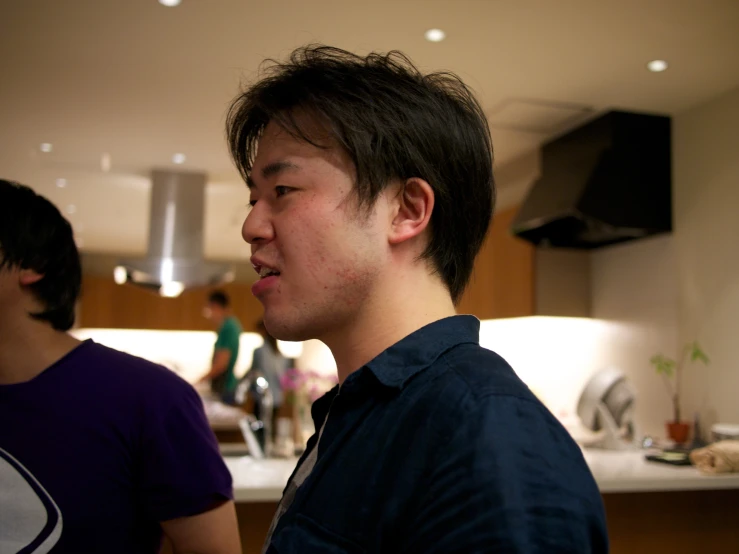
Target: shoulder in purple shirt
x,y
100,448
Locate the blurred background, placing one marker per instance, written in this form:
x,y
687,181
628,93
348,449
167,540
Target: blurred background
x,y
97,95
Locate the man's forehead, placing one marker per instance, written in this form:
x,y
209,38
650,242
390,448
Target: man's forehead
x,y
273,151
280,148
303,136
277,143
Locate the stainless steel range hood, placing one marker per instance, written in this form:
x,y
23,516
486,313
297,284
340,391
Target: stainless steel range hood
x,y
174,260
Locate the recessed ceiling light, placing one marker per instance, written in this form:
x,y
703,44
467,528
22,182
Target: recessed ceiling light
x,y
179,158
46,147
435,35
657,65
61,183
71,209
170,3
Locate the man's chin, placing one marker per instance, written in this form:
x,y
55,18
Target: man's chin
x,y
283,329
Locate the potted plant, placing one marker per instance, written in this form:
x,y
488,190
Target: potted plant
x,y
671,372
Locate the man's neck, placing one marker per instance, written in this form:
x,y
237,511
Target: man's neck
x,y
223,320
396,312
28,347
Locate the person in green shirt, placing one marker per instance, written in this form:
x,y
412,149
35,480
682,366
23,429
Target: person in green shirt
x,y
222,379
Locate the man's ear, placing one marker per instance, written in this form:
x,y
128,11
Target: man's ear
x,y
414,204
28,277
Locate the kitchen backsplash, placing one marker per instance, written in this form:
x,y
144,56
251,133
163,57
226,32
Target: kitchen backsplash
x,y
188,353
554,356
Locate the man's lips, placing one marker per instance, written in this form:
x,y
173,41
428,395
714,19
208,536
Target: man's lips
x,y
268,276
264,284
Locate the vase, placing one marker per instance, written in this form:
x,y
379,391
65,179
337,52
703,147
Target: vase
x,y
678,431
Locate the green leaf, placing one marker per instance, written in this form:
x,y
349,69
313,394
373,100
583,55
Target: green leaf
x,y
663,364
696,353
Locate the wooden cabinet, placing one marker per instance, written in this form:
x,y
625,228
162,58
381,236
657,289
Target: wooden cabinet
x,y
680,522
105,304
502,283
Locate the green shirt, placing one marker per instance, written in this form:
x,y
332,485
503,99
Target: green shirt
x,y
228,338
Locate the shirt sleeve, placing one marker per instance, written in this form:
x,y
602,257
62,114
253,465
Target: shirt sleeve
x,y
182,472
507,480
227,336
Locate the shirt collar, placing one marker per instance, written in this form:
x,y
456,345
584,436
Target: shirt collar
x,y
394,367
414,353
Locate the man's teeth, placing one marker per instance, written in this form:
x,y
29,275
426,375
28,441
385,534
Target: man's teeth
x,y
265,271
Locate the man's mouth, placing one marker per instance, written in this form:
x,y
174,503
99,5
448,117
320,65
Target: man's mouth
x,y
265,271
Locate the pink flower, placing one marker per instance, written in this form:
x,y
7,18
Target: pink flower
x,y
311,383
315,393
292,379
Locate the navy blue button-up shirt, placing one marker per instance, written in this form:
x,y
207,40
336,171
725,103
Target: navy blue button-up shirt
x,y
436,446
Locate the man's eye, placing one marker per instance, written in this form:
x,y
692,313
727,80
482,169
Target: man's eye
x,y
281,190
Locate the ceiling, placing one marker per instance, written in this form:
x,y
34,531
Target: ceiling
x,y
139,82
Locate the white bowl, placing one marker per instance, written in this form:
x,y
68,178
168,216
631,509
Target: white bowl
x,y
724,431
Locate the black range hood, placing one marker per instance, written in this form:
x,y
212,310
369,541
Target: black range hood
x,y
606,182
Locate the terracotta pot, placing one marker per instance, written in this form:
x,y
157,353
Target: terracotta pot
x,y
678,431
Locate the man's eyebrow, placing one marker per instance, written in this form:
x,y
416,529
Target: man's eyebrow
x,y
271,170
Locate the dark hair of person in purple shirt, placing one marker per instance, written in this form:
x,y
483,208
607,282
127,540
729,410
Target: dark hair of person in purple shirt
x,y
35,235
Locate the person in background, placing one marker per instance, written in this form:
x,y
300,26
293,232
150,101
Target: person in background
x,y
372,191
270,363
100,451
223,381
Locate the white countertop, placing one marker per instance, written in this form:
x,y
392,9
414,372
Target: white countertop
x,y
615,472
221,416
630,472
259,480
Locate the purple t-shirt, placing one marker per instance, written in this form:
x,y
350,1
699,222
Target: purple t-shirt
x,y
97,450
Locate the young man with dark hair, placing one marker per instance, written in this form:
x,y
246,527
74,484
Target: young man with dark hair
x,y
100,451
372,191
223,381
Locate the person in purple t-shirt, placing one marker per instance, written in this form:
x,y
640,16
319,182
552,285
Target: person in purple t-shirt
x,y
100,451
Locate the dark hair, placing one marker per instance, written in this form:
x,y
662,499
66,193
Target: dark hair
x,y
220,298
34,235
395,123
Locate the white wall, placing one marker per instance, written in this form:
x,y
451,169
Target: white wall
x,y
706,208
554,356
514,179
635,285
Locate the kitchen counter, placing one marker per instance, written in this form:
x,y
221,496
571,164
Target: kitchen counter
x,y
259,480
650,507
221,416
615,472
630,472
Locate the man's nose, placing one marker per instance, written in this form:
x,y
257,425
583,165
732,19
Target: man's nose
x,y
257,225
